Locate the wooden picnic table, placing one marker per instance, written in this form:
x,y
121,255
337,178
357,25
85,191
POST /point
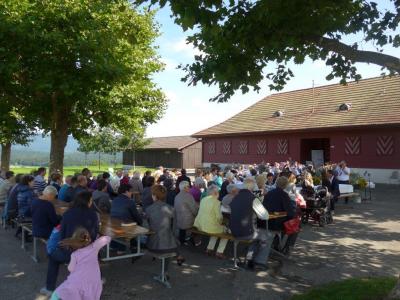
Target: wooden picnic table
x,y
112,227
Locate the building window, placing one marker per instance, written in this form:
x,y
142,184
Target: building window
x,y
226,147
352,145
283,147
243,147
385,145
211,147
261,147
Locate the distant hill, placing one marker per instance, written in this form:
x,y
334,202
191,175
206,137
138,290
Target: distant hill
x,y
42,144
37,153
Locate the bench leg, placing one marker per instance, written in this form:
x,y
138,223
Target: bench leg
x,y
235,258
23,237
35,256
162,278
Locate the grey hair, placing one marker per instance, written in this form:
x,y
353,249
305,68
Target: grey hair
x,y
199,182
136,175
229,175
212,189
183,185
249,183
231,187
50,190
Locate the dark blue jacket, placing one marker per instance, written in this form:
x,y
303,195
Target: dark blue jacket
x,y
241,221
12,201
124,208
278,200
44,218
71,192
79,217
24,198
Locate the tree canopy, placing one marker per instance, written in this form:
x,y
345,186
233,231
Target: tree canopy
x,y
244,42
83,63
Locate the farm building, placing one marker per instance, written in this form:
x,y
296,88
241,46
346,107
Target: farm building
x,y
170,152
358,122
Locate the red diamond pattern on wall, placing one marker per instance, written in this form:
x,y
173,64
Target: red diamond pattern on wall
x,y
226,147
385,145
283,147
243,147
352,145
211,147
261,147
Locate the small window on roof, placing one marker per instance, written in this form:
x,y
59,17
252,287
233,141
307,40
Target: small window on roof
x,y
345,107
278,113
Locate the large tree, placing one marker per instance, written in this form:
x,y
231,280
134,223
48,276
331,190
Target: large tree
x,y
85,63
243,42
13,130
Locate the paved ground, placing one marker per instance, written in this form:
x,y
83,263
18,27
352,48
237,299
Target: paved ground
x,y
364,241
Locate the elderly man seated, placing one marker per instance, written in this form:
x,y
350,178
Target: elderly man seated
x,y
278,200
44,217
245,209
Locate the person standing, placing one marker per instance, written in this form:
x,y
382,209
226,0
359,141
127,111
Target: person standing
x,y
343,175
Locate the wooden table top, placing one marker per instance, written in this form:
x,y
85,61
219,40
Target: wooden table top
x,y
277,215
108,226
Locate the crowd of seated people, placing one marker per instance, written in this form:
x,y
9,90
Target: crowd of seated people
x,y
168,202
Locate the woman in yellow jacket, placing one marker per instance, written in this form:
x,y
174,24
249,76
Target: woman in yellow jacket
x,y
209,219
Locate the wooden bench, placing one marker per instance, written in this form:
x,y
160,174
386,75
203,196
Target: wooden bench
x,y
348,195
236,241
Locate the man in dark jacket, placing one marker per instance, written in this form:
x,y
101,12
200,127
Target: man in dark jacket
x,y
44,217
245,209
123,207
332,184
278,200
101,198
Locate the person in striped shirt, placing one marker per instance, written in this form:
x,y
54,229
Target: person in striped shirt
x,y
39,183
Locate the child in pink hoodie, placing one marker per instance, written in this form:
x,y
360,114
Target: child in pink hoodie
x,y
84,281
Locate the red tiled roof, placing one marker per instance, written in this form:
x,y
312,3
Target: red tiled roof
x,y
375,101
171,142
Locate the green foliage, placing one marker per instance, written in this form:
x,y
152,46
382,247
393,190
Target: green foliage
x,y
80,64
352,289
243,42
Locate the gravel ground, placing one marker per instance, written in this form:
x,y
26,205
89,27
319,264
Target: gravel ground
x,y
363,241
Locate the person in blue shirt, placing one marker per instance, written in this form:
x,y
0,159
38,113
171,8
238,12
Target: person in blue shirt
x,y
25,197
64,188
44,217
123,207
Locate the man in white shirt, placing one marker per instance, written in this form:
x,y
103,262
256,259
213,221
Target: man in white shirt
x,y
343,173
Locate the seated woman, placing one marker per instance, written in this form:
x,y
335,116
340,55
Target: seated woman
x,y
209,219
232,190
25,197
44,217
160,217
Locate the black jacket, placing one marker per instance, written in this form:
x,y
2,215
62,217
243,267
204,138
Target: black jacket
x,y
242,215
124,208
278,200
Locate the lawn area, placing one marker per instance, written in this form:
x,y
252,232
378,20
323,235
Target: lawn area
x,y
374,288
71,170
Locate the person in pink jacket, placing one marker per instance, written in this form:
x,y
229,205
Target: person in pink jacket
x,y
84,281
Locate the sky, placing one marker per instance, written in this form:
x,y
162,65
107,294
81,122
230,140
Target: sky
x,y
189,109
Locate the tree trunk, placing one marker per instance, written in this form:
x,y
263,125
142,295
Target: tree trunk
x,y
5,156
59,136
99,161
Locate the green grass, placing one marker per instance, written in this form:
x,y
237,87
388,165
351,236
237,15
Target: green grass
x,y
374,288
71,170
